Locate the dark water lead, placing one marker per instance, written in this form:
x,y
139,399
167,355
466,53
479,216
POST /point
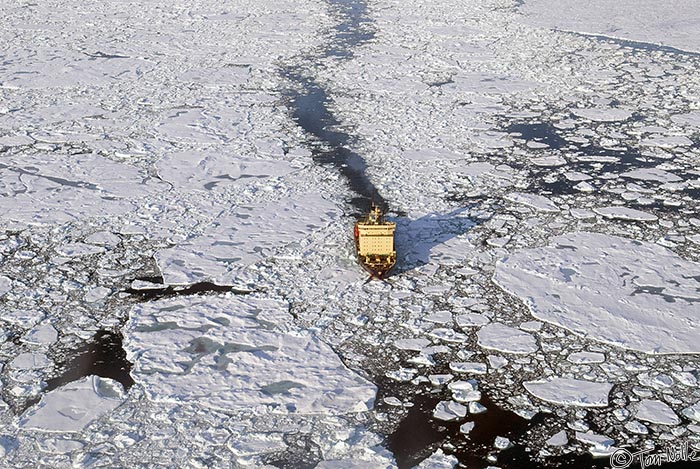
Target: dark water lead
x,y
419,435
545,132
311,114
103,355
159,292
309,102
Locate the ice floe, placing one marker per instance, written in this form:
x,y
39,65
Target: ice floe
x,y
645,21
535,201
558,439
625,213
237,353
656,411
449,410
439,460
73,406
604,114
30,361
248,235
209,171
60,188
600,445
497,336
43,334
570,391
502,443
5,285
586,357
629,293
652,174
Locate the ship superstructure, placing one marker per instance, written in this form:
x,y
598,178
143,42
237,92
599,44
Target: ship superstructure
x,y
374,240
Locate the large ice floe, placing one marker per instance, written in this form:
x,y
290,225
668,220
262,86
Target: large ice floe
x,y
75,405
635,20
232,353
47,188
629,293
244,237
570,391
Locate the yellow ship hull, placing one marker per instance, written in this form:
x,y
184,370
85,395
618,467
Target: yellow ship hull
x,y
374,241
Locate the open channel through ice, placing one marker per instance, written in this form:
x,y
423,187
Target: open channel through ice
x,y
178,183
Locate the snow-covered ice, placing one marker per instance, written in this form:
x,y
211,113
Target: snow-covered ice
x,y
586,357
5,285
209,171
656,411
474,368
625,213
73,406
600,445
507,339
438,460
625,292
558,439
502,443
249,234
604,114
30,361
43,334
570,391
237,353
535,201
466,428
644,21
71,188
449,410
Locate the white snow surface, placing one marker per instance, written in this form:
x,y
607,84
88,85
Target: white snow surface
x,y
355,464
652,174
208,171
438,460
449,411
586,357
30,361
60,188
73,406
5,285
628,293
247,235
672,23
43,334
507,339
236,353
604,114
656,411
538,202
558,439
625,213
571,392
